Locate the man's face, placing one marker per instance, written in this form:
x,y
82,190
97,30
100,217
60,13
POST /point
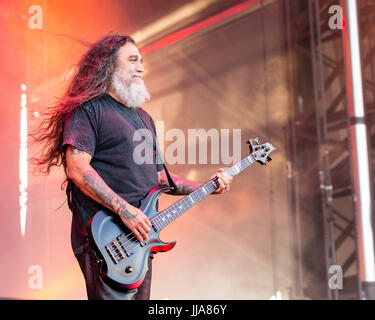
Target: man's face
x,y
131,62
127,80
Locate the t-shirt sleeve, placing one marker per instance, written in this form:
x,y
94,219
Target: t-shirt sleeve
x,y
81,129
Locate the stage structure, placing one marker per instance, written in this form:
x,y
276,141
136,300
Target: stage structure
x,y
331,207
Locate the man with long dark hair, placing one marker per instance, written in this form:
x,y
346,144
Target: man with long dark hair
x,y
90,132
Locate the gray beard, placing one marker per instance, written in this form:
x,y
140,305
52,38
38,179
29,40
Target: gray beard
x,y
133,94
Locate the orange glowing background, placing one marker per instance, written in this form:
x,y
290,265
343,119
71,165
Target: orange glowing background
x,y
214,78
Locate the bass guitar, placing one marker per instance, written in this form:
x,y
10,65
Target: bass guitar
x,y
125,258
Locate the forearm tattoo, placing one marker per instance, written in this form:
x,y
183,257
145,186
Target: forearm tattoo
x,y
105,195
184,186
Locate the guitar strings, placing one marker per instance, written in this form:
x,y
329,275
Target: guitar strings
x,y
116,245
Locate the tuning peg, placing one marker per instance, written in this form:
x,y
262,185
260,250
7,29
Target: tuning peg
x,y
253,141
269,158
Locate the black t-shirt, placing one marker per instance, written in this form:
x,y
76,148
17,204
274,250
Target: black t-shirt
x,y
106,129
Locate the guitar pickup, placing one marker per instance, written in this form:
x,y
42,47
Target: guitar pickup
x,y
143,243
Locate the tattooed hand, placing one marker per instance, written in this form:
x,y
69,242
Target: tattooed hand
x,y
135,220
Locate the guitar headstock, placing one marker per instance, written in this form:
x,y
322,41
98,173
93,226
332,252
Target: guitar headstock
x,y
260,152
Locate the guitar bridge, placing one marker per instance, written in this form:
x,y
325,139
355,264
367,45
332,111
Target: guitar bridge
x,y
116,250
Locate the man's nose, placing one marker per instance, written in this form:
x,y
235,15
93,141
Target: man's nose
x,y
140,67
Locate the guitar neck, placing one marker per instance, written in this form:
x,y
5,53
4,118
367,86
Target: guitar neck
x,y
163,218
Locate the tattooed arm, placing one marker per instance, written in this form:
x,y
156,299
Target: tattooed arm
x,y
185,186
91,184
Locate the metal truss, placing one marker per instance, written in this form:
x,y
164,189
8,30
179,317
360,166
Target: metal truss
x,y
323,220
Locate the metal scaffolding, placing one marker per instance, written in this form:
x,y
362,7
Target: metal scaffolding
x,y
320,181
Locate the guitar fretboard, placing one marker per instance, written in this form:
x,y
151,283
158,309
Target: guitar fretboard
x,y
165,217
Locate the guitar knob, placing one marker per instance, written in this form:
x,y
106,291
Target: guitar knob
x,y
129,269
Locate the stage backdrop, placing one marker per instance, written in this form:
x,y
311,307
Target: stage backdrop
x,y
230,77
